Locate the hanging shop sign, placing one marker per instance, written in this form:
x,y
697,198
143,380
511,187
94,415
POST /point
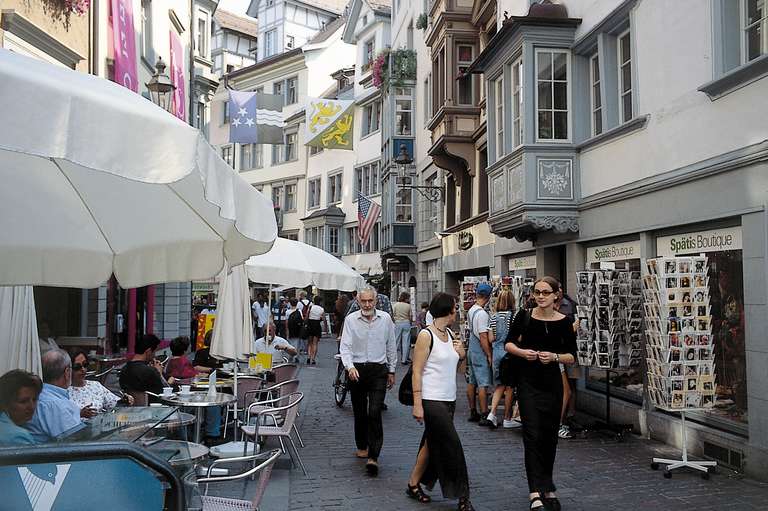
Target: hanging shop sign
x,y
522,263
466,240
614,252
716,240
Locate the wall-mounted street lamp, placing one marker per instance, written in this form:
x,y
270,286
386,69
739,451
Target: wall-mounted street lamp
x,y
403,161
160,87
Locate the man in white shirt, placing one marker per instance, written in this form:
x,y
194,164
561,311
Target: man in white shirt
x,y
260,315
274,345
479,355
369,353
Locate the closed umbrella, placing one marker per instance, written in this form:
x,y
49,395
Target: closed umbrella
x,y
98,180
19,344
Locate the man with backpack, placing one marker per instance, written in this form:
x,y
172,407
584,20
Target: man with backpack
x,y
296,327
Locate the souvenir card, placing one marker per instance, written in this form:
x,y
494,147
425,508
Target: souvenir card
x,y
583,277
635,353
653,366
707,401
704,340
687,325
675,355
689,339
651,266
672,312
582,312
691,384
677,384
685,281
691,355
670,267
651,309
683,265
674,340
687,311
700,280
602,361
704,323
707,368
672,325
683,296
602,348
677,400
605,336
671,282
706,385
691,369
692,399
672,295
704,354
700,295
676,369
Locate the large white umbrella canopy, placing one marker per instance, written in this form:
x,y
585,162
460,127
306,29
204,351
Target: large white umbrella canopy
x,y
98,180
232,336
295,264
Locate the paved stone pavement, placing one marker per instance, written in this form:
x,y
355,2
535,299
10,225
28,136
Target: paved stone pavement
x,y
591,473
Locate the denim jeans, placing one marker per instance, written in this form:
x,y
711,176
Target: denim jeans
x,y
403,338
213,421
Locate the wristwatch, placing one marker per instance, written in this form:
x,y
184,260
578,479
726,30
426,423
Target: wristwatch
x,y
557,357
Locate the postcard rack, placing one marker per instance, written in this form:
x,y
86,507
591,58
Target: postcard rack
x,y
680,351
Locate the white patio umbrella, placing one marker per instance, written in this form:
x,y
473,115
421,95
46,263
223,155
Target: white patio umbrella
x,y
19,343
98,180
232,336
296,264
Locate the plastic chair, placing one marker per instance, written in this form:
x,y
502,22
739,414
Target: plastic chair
x,y
267,411
276,391
264,469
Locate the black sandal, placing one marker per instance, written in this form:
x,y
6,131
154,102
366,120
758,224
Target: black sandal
x,y
552,503
415,492
542,507
465,504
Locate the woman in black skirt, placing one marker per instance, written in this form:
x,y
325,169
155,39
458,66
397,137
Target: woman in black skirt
x,y
441,456
541,340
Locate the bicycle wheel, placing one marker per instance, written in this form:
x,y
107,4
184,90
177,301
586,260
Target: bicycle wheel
x,y
340,386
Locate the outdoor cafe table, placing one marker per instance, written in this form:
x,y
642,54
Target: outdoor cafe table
x,y
199,401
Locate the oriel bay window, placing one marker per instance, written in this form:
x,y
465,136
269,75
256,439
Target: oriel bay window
x,y
498,88
404,202
464,81
517,103
552,94
333,240
403,111
597,105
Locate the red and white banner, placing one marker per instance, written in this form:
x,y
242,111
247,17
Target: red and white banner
x,y
177,77
124,37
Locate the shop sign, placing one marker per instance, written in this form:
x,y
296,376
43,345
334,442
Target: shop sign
x,y
716,240
466,240
522,263
614,252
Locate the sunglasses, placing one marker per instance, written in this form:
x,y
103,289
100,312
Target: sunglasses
x,y
542,292
77,367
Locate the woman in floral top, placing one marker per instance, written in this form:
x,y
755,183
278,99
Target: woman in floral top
x,y
91,396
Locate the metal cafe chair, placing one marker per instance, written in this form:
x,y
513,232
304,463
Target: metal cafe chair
x,y
276,391
263,414
245,386
264,469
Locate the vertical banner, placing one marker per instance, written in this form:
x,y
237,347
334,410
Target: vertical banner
x,y
124,37
177,76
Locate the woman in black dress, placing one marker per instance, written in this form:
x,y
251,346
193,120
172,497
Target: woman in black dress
x,y
541,340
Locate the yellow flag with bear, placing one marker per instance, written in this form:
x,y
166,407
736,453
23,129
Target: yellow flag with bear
x,y
329,123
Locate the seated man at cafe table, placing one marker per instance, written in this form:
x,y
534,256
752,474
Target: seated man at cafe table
x,y
143,373
55,413
273,344
19,391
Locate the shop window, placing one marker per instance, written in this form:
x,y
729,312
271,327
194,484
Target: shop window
x,y
464,80
597,105
552,70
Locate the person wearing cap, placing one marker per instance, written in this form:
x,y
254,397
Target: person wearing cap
x,y
479,355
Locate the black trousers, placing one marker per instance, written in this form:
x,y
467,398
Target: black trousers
x,y
446,455
367,397
540,413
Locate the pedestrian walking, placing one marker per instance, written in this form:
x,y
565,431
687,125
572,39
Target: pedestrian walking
x,y
369,354
567,307
541,340
479,355
314,318
421,319
294,325
500,323
441,455
403,318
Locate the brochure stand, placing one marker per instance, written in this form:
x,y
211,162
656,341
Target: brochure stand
x,y
618,431
702,466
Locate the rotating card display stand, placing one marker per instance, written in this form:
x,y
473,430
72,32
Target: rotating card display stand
x,y
681,365
609,336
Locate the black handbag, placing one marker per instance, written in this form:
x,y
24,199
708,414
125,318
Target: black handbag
x,y
405,391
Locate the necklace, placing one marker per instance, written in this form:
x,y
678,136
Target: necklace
x,y
438,329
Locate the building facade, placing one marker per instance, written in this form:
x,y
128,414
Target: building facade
x,y
620,133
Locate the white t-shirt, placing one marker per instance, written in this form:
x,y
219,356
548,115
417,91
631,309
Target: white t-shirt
x,y
480,320
274,348
438,381
316,312
302,304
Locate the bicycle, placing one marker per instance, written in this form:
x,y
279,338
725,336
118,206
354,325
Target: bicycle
x,y
340,386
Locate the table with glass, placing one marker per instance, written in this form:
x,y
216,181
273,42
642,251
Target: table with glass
x,y
199,401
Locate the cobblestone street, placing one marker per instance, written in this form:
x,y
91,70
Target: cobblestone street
x,y
591,473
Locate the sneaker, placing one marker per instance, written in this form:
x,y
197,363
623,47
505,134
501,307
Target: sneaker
x,y
512,423
493,422
484,420
565,432
474,416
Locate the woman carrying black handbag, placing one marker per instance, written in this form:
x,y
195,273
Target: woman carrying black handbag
x,y
541,340
434,402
